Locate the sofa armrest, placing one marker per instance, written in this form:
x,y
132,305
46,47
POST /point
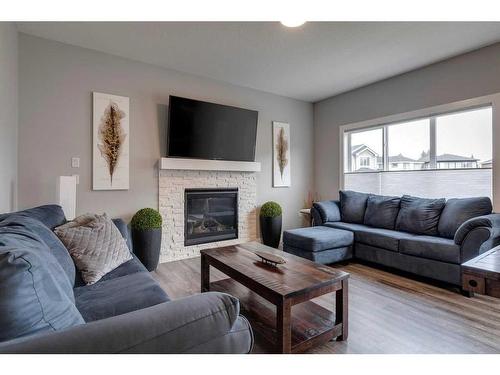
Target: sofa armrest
x,y
172,327
491,221
123,228
478,235
325,211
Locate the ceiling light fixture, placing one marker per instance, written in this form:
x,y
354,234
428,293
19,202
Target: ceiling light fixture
x,y
293,23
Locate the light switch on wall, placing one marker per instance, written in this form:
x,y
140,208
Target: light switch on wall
x,y
75,162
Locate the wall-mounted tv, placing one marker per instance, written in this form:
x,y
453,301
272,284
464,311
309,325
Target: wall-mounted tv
x,y
205,130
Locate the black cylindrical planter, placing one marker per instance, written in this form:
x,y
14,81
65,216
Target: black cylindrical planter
x,y
147,244
270,227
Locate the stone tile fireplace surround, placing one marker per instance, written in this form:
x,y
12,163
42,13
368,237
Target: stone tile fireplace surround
x,y
172,185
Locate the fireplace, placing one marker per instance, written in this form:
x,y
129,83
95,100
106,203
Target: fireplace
x,y
210,215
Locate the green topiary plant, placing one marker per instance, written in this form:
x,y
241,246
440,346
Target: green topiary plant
x,y
270,209
147,218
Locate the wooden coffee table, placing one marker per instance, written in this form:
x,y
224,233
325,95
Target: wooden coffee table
x,y
268,293
482,274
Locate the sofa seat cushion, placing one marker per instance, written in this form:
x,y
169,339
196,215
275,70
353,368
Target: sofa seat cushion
x,y
458,211
317,238
118,296
383,238
329,256
437,248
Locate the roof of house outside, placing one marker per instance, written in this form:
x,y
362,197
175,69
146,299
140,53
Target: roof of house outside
x,y
365,169
358,148
399,159
448,157
423,159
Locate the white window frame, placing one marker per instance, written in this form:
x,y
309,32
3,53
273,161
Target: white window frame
x,y
431,112
349,157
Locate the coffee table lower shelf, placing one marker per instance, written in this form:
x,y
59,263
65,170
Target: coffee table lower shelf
x,y
311,324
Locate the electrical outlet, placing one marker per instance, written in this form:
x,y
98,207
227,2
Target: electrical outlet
x,y
75,162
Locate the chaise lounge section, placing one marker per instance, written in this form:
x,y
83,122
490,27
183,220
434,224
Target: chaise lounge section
x,y
426,237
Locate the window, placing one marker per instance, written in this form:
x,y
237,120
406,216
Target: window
x,y
464,139
408,144
447,155
364,150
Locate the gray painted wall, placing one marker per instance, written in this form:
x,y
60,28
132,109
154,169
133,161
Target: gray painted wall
x,y
56,82
8,116
466,76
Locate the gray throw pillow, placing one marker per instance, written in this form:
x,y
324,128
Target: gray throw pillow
x,y
328,210
382,211
458,211
352,206
95,244
419,215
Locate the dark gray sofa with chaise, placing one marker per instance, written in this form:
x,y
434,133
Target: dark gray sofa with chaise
x,y
46,308
426,237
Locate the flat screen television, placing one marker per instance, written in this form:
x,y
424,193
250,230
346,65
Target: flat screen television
x,y
205,130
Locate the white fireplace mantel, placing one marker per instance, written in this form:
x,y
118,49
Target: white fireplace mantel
x,y
209,165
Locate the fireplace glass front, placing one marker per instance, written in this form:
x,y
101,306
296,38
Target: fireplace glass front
x,y
210,215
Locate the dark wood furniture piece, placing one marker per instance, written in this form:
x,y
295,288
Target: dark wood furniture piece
x,y
267,295
482,274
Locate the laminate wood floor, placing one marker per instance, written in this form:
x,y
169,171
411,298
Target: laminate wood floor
x,y
388,313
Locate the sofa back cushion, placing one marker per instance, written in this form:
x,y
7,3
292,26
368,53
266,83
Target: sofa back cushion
x,y
352,206
35,293
51,215
382,211
328,210
419,215
458,210
30,224
16,233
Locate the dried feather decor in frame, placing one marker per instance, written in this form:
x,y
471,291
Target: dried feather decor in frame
x,y
110,142
281,154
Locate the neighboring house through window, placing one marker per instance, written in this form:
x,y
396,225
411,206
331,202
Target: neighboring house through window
x,y
424,150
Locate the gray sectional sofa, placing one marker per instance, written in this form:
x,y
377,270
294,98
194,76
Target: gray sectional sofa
x,y
46,308
426,237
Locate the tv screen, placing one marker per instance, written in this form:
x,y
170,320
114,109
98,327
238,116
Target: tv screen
x,y
205,130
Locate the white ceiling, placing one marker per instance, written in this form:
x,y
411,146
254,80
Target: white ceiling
x,y
313,62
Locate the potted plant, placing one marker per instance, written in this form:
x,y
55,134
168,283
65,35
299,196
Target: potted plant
x,y
146,236
270,224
